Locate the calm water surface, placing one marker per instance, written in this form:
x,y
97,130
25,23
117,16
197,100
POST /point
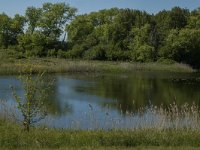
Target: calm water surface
x,y
89,101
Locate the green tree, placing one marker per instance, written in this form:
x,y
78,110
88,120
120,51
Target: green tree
x,y
5,24
183,46
32,17
194,19
31,106
33,44
45,27
16,28
79,29
178,18
10,29
54,18
141,46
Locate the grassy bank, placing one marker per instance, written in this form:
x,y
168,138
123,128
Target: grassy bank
x,y
168,132
54,65
12,136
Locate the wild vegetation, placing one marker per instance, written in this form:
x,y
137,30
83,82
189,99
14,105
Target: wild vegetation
x,y
54,30
31,106
168,132
12,137
58,65
117,40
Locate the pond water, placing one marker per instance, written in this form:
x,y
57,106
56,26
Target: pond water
x,y
90,101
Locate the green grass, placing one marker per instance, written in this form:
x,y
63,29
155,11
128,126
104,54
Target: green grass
x,y
54,65
12,136
123,148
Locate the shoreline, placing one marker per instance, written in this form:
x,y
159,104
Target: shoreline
x,y
55,65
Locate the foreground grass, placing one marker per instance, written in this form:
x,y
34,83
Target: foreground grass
x,y
13,137
123,148
54,65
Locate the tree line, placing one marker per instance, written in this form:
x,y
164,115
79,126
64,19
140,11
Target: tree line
x,y
113,34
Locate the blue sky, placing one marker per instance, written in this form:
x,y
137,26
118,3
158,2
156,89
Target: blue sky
x,y
12,7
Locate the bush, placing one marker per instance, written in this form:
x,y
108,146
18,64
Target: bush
x,y
165,61
35,51
143,53
76,52
52,53
11,53
95,53
61,54
117,55
31,106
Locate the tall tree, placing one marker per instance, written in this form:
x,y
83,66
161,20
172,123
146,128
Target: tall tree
x,y
54,18
32,16
178,18
5,24
17,28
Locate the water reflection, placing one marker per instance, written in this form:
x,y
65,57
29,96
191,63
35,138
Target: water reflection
x,y
81,97
130,92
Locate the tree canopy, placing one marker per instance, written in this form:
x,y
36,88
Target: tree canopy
x,y
54,30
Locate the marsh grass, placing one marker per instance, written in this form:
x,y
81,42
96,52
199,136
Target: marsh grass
x,y
173,117
54,65
12,136
175,126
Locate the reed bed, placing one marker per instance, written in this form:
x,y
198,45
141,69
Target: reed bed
x,y
55,65
172,117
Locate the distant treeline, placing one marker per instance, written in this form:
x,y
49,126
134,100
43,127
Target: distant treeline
x,y
54,30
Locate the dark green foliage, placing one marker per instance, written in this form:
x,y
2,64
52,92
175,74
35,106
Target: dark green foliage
x,y
178,18
51,53
76,52
10,28
96,52
110,34
61,54
125,34
183,46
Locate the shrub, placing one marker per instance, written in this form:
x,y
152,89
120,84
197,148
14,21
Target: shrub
x,y
52,53
31,105
165,61
76,52
95,53
61,54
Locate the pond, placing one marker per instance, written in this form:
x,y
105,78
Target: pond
x,y
106,101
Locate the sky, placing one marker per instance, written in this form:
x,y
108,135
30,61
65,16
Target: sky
x,y
11,7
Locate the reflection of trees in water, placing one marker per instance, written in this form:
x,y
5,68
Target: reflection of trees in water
x,y
53,106
134,92
50,100
128,92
